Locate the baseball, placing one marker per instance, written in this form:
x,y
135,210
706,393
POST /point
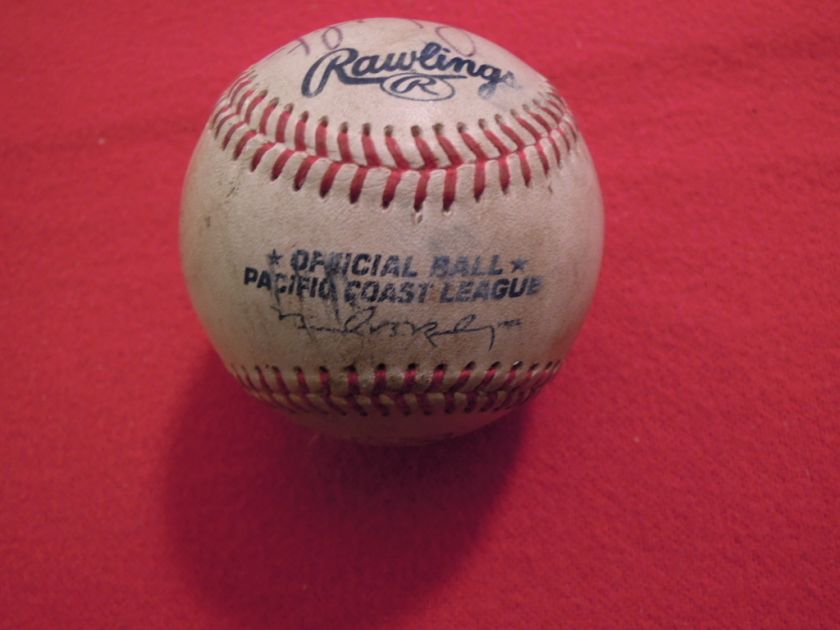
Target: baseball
x,y
392,230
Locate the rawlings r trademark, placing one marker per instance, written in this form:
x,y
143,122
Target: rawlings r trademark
x,y
423,75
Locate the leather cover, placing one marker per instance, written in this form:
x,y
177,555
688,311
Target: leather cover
x,y
392,229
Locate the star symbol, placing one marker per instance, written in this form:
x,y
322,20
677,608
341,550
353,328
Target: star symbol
x,y
518,264
274,258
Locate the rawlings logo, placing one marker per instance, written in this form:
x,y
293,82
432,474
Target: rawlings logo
x,y
422,75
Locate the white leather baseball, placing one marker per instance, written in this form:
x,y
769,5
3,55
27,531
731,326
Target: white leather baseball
x,y
392,229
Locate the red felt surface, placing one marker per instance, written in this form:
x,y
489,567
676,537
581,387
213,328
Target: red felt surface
x,y
684,469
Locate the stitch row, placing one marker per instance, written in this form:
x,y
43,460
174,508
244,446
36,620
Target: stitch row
x,y
243,117
469,391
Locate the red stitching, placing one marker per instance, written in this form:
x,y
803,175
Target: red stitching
x,y
344,144
449,397
280,132
258,155
506,386
230,95
557,119
242,77
300,131
243,82
329,177
272,104
395,151
284,391
429,163
326,391
245,380
409,379
380,385
303,171
391,188
253,105
240,146
321,139
262,391
437,379
565,138
542,156
455,160
221,123
269,395
353,391
396,174
304,390
547,374
230,133
555,147
357,183
367,145
534,133
480,161
488,378
544,119
504,169
517,394
242,99
280,163
420,193
215,119
520,149
372,397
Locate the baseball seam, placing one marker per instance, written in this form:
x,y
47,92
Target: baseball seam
x,y
436,166
407,392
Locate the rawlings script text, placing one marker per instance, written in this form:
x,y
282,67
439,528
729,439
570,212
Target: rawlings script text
x,y
423,75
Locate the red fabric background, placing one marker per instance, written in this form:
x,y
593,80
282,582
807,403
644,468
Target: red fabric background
x,y
683,469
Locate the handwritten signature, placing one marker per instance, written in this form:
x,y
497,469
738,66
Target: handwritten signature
x,y
365,323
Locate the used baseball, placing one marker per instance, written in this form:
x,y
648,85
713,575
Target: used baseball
x,y
392,230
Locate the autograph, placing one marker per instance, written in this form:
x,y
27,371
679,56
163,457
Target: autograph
x,y
364,323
